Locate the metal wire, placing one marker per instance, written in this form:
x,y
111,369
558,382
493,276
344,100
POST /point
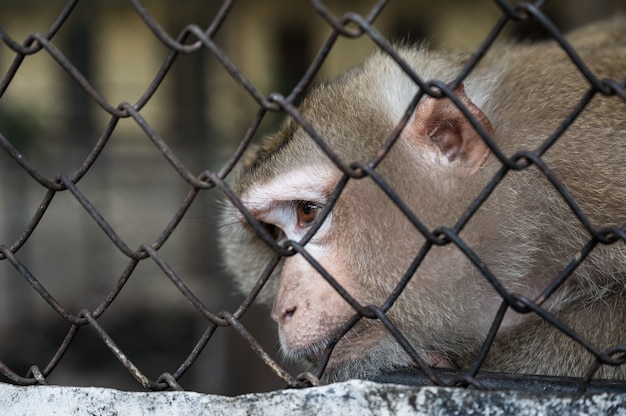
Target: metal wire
x,y
194,39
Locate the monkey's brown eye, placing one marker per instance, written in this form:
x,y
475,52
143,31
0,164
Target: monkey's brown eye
x,y
307,212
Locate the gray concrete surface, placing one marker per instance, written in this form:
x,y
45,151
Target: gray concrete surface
x,y
348,398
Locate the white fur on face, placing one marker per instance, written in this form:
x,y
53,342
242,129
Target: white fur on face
x,y
275,201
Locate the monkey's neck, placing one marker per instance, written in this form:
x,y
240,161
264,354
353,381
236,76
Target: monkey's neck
x,y
537,347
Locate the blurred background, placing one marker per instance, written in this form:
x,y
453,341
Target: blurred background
x,y
202,114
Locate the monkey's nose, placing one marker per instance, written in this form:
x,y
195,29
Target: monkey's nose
x,y
283,315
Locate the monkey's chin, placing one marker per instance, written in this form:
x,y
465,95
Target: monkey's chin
x,y
311,355
362,358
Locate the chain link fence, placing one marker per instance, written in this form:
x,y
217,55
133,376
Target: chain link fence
x,y
88,314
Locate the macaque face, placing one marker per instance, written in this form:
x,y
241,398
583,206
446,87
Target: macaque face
x,y
364,243
288,205
306,307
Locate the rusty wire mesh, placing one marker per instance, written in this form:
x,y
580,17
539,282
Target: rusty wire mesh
x,y
196,39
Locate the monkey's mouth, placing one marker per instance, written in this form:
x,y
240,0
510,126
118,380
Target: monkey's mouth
x,y
352,347
311,355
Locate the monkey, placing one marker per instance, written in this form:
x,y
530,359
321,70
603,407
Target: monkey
x,y
524,232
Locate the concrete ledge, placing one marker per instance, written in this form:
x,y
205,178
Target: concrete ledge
x,y
349,398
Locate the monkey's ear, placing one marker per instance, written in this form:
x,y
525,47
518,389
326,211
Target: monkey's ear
x,y
438,123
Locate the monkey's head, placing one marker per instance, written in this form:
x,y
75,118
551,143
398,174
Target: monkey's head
x,y
365,242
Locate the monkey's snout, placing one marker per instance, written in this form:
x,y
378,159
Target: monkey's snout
x,y
283,315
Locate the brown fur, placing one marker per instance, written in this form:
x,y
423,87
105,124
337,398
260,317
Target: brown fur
x,y
524,232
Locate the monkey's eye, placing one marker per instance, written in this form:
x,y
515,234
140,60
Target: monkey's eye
x,y
307,212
